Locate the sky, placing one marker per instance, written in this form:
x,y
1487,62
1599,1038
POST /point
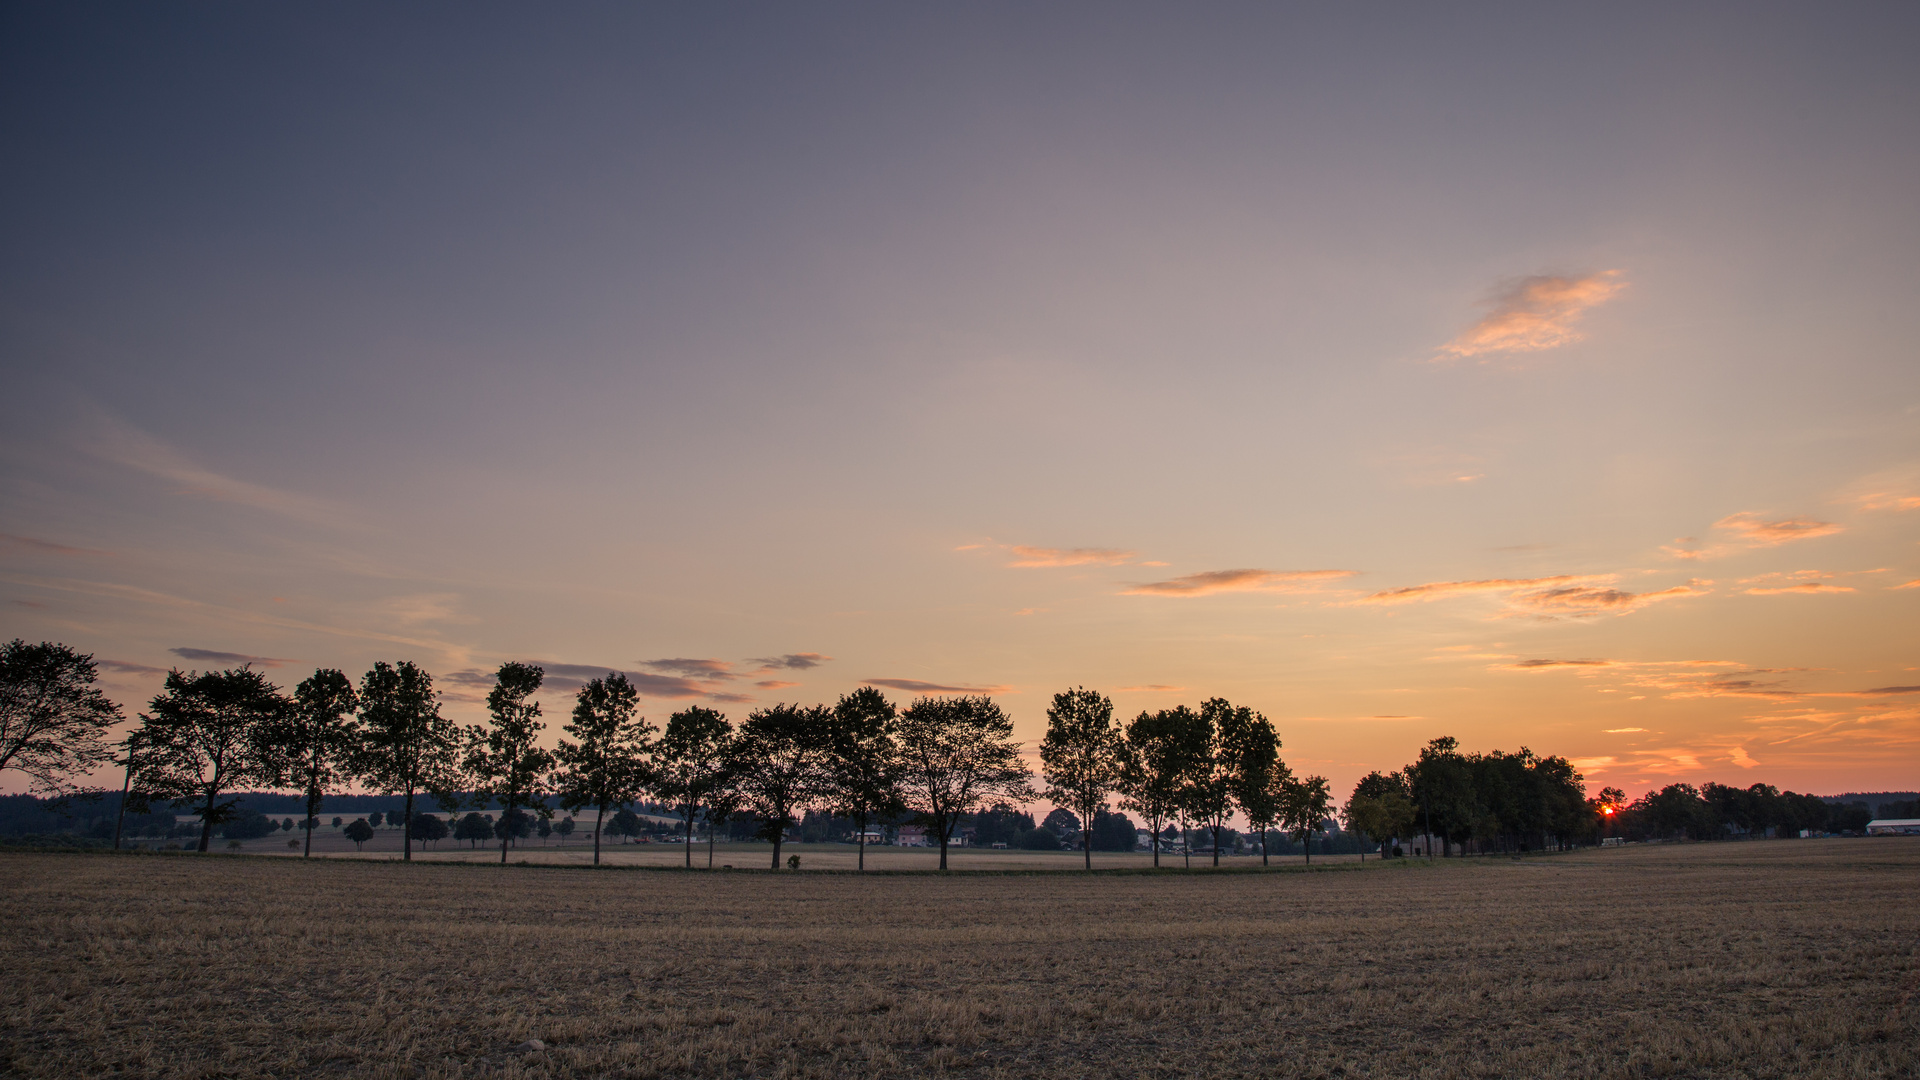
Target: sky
x,y
1539,376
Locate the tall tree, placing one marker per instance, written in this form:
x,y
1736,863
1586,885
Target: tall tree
x,y
1305,806
1260,779
956,753
53,722
1380,808
504,758
1442,792
863,779
1232,747
781,762
1154,762
690,765
314,740
609,766
405,746
1080,757
205,735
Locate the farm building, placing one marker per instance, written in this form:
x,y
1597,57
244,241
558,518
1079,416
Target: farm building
x,y
1894,827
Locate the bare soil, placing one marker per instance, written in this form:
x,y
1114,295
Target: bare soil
x,y
1762,959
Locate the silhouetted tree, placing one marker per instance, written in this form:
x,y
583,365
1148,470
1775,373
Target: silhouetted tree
x,y
1261,790
359,832
473,829
428,828
504,759
565,828
205,735
863,781
779,763
1155,760
609,766
1080,757
1304,810
53,722
405,746
690,765
1380,808
314,741
956,753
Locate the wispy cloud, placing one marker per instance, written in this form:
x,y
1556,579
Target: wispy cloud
x,y
1560,596
1621,730
1219,581
1441,590
48,546
116,441
917,686
794,661
214,656
1914,584
1026,556
1151,688
1745,531
708,669
1534,314
569,678
1757,531
125,668
1544,665
774,684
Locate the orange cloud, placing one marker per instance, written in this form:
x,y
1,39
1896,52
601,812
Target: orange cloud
x,y
1535,313
1025,556
1561,596
1750,530
1802,588
1579,601
1756,532
1440,590
1219,581
1543,665
1914,584
1150,688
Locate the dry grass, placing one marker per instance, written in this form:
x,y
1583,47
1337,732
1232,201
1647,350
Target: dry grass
x,y
1764,959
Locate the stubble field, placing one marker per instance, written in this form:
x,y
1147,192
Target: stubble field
x,y
1766,959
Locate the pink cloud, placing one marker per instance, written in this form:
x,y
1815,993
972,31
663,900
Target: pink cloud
x,y
1534,314
1440,590
1219,581
1803,588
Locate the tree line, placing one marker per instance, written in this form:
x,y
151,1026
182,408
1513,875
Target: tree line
x,y
208,736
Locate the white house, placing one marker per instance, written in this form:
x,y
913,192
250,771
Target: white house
x,y
1906,826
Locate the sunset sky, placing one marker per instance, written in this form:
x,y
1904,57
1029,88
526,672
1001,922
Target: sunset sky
x,y
1539,376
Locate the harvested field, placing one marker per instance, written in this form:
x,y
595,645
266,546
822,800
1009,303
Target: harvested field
x,y
1764,959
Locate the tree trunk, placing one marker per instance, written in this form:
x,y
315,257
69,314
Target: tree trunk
x,y
406,830
126,788
1086,838
313,808
1186,844
1216,847
778,835
689,817
1155,843
506,828
598,828
1263,846
206,821
863,845
709,842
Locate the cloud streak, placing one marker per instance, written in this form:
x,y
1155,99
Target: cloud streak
x,y
214,656
1573,596
1026,556
1210,582
1534,314
917,686
796,661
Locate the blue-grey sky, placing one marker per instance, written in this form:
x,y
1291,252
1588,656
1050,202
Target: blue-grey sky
x,y
976,346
